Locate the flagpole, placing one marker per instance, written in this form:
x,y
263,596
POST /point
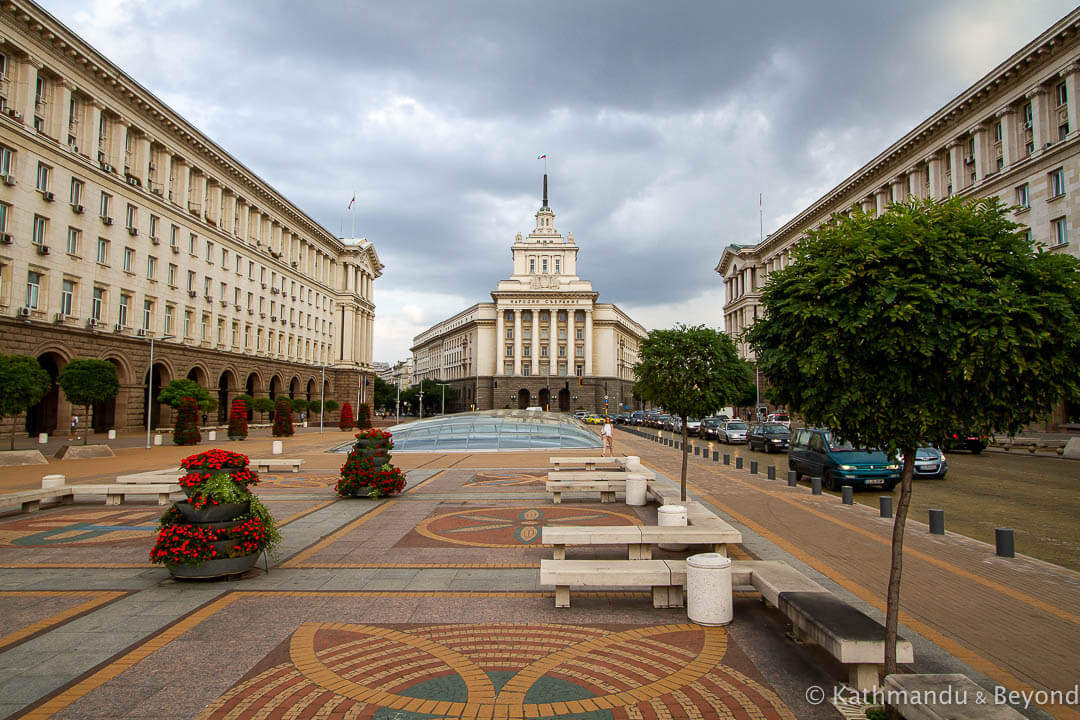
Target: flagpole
x,y
353,218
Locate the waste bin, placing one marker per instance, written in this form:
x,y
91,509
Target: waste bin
x,y
708,589
635,489
671,516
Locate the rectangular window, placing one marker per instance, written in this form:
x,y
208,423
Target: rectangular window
x,y
129,259
1063,131
187,323
147,313
174,235
526,333
562,351
193,239
1057,183
43,177
509,333
105,206
251,270
224,258
562,369
209,251
5,210
73,240
103,251
223,289
579,333
557,270
1062,94
508,368
1028,115
67,294
170,312
204,328
40,227
131,217
543,351
151,267
509,351
562,333
544,265
7,157
172,275
122,316
76,191
580,370
526,370
191,280
1059,231
96,303
1023,198
544,334
33,289
154,226
579,351
527,350
532,265
997,131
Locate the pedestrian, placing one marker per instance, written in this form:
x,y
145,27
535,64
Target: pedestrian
x,y
607,432
204,419
74,424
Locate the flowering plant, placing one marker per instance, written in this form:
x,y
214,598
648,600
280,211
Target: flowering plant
x,y
207,484
368,470
213,459
180,544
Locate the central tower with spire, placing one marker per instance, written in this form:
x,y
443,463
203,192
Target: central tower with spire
x,y
544,258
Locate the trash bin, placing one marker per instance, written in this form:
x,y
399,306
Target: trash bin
x,y
635,489
671,516
708,589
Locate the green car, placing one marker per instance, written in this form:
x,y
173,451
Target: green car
x,y
817,453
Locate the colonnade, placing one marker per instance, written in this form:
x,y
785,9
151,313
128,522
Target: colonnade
x,y
565,364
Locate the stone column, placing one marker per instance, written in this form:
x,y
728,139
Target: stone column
x,y
1071,75
881,200
956,160
897,186
348,340
60,118
982,153
23,89
535,342
1037,96
500,339
936,175
1010,151
553,343
588,342
914,181
517,342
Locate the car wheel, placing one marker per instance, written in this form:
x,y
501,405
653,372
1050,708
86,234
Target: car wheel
x,y
829,481
976,448
889,486
798,475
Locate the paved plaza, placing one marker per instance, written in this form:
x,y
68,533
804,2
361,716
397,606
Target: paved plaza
x,y
428,605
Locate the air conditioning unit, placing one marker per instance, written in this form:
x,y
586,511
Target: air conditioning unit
x,y
273,318
294,263
175,250
78,209
6,239
132,180
106,167
968,159
133,231
264,286
155,240
1027,124
236,307
208,298
9,179
43,249
141,332
47,196
58,317
14,113
191,293
24,312
224,303
92,323
251,311
118,327
106,220
157,190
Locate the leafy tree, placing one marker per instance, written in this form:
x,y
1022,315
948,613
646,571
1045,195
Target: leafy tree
x,y
314,406
690,371
330,405
432,395
248,400
283,417
262,405
385,394
177,390
895,330
22,385
87,381
186,430
299,405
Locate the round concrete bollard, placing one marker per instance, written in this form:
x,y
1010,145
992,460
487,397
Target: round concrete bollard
x,y
112,434
212,435
278,447
815,486
42,438
635,489
708,589
727,459
771,472
157,439
848,494
753,467
738,463
885,506
792,478
937,522
671,516
1004,542
52,481
716,456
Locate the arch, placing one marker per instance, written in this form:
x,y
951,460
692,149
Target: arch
x,y
156,380
226,385
275,387
199,374
253,384
523,398
311,389
294,387
44,417
545,398
564,400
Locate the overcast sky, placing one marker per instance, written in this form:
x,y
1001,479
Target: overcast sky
x,y
662,121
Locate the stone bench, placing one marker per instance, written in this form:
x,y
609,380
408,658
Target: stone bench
x,y
943,697
593,475
30,500
155,476
606,488
846,633
115,494
266,464
665,577
637,538
589,463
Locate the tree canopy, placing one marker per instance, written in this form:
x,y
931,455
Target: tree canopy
x,y
690,372
87,381
895,330
23,382
385,394
433,396
177,390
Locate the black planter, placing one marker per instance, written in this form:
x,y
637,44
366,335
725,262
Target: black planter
x,y
212,513
218,567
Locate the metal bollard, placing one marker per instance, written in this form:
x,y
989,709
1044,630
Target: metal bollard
x,y
771,472
753,467
738,463
848,494
697,451
937,522
727,459
885,506
716,456
815,486
1004,542
791,478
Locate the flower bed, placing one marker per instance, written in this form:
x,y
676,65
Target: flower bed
x,y
367,471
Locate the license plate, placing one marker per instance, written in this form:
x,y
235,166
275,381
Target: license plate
x,y
876,481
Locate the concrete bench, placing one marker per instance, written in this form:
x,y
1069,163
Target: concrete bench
x,y
943,697
850,636
115,494
266,464
606,488
589,463
665,577
155,476
559,536
594,475
30,500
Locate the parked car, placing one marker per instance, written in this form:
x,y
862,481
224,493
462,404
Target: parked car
x,y
782,418
709,426
594,419
668,423
580,414
693,427
732,432
816,452
769,437
637,418
967,440
929,463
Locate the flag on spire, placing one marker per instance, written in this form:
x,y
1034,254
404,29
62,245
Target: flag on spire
x,y
351,202
541,157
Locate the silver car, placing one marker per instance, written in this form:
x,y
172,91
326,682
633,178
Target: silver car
x,y
733,432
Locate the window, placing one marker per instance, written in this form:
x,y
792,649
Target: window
x,y
129,259
131,217
543,351
509,351
33,289
1063,130
122,316
562,369
562,333
526,370
1028,116
170,312
580,370
251,270
43,177
151,267
73,236
67,292
1057,183
544,265
5,209
544,335
193,239
7,157
562,351
209,251
40,227
526,333
191,280
532,265
223,289
508,368
527,350
106,205
1059,231
997,131
103,251
579,316
172,275
224,258
509,333
174,235
153,226
204,327
1023,198
147,313
579,333
579,351
187,323
76,191
557,270
1061,93
96,303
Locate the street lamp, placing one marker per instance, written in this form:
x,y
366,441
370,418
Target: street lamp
x,y
150,386
444,397
398,405
421,401
322,398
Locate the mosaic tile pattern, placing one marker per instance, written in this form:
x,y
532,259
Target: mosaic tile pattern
x,y
511,527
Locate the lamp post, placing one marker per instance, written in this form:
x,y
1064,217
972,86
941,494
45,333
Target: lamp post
x,y
322,398
444,397
398,404
150,386
421,401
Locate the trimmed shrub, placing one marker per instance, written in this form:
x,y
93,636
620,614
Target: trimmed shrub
x,y
346,421
186,431
283,417
238,414
363,417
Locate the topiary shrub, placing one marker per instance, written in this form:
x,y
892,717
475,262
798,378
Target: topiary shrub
x,y
283,417
367,471
363,417
186,430
346,421
238,419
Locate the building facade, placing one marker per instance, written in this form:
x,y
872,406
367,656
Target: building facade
x,y
1014,134
544,340
126,234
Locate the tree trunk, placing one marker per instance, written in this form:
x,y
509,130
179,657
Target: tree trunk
x,y
892,610
683,485
86,432
14,422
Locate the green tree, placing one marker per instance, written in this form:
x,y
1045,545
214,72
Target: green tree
x,y
262,405
299,405
87,381
385,394
432,396
22,385
895,330
330,405
690,372
177,390
248,401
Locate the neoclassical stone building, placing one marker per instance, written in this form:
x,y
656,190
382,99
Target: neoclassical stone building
x,y
123,228
543,341
1014,134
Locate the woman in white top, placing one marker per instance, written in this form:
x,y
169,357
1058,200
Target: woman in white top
x,y
607,432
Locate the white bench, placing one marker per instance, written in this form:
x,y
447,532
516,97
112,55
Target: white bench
x,y
943,697
665,577
30,500
592,475
115,494
606,488
265,464
638,539
589,463
170,475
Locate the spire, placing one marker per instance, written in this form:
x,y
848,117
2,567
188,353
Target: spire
x,y
545,191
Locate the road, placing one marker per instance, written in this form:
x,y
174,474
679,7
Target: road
x,y
1038,496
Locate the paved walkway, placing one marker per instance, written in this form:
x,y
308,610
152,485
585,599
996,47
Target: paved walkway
x,y
428,605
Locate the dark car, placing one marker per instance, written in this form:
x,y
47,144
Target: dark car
x,y
816,452
929,463
974,442
709,426
769,437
